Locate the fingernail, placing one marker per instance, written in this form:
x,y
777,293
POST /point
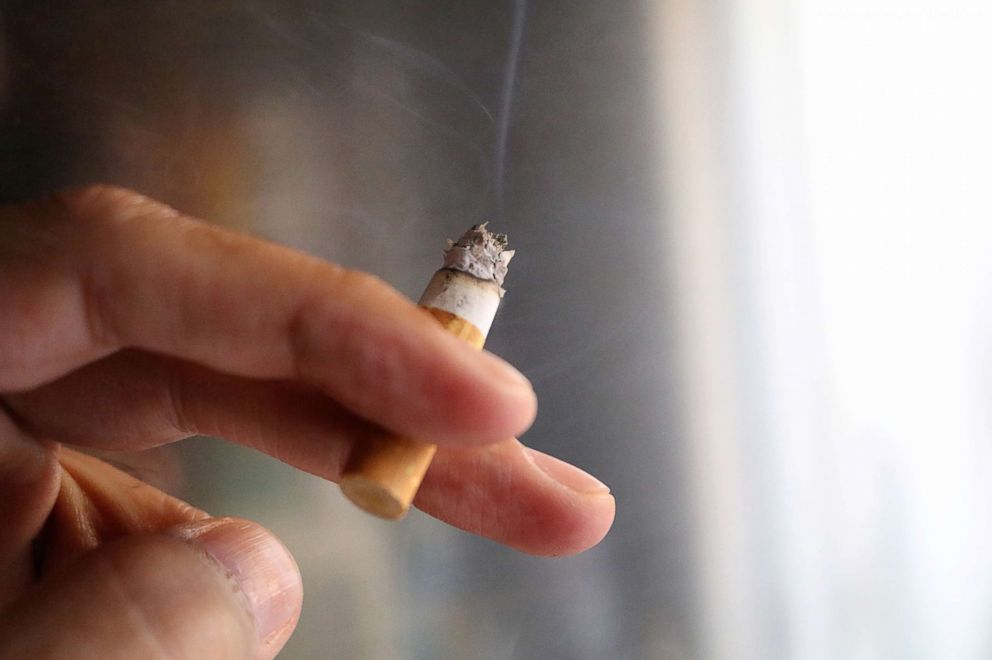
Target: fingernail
x,y
259,564
566,474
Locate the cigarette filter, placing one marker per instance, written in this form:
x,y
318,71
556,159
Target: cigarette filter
x,y
382,476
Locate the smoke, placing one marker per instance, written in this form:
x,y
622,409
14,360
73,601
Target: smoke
x,y
506,105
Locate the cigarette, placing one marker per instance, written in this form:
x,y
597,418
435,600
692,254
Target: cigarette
x,y
382,476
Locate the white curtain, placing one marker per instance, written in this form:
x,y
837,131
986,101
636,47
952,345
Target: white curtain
x,y
827,168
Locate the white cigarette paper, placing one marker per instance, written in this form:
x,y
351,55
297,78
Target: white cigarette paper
x,y
470,283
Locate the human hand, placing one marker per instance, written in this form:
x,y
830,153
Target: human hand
x,y
124,325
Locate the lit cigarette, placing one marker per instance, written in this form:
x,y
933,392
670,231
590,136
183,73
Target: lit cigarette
x,y
382,476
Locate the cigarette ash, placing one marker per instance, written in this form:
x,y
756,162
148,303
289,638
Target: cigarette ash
x,y
480,253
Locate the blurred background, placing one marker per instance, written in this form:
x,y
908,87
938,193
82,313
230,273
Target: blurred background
x,y
752,290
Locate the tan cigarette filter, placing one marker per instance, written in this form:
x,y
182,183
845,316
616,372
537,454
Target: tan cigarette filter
x,y
382,476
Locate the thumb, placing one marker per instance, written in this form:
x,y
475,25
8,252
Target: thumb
x,y
216,588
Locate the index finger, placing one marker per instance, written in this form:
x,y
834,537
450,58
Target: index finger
x,y
125,271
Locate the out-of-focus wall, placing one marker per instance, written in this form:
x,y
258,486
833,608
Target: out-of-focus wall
x,y
368,133
826,168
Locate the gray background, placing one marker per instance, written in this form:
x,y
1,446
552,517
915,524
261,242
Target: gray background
x,y
367,133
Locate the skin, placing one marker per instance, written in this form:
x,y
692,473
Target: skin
x,y
125,325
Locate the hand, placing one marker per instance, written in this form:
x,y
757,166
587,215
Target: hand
x,y
124,325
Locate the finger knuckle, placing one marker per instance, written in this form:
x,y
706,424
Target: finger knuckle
x,y
108,203
359,282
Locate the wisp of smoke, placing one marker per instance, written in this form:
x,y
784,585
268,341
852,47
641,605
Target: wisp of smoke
x,y
506,104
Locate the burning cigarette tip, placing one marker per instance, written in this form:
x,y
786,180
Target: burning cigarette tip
x,y
481,253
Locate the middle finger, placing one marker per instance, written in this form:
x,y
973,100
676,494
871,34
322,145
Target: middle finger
x,y
135,400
